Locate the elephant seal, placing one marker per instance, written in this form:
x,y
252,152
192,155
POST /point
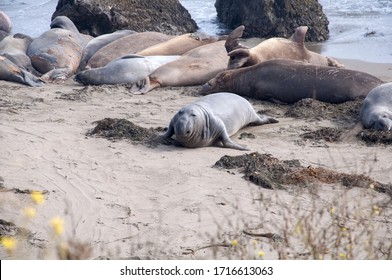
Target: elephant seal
x,y
195,67
376,109
11,72
14,47
132,43
274,48
127,69
57,52
5,23
180,44
213,119
289,81
99,42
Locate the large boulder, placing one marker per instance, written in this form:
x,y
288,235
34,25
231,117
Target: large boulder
x,y
274,18
97,17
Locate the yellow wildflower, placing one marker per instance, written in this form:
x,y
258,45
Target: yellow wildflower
x,y
261,254
342,256
30,212
38,197
376,210
332,210
57,224
9,243
234,242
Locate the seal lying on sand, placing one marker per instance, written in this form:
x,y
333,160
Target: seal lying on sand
x,y
195,67
14,47
289,81
213,119
126,69
98,43
180,44
57,52
11,72
132,43
376,110
274,48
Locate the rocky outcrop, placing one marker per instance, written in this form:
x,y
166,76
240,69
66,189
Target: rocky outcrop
x,y
97,17
274,18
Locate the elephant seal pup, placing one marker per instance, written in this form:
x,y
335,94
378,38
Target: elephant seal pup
x,y
195,67
288,81
132,43
127,69
376,109
14,47
11,72
180,44
57,52
99,42
213,119
274,48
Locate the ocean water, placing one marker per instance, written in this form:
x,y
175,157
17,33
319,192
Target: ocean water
x,y
359,29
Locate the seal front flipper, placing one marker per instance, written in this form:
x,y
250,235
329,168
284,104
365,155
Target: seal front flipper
x,y
228,143
264,119
140,87
238,58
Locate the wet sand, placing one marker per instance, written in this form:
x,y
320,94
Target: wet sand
x,y
122,198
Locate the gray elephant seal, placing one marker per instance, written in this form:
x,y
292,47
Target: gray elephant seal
x,y
274,48
213,119
288,81
376,109
14,47
98,43
11,72
126,69
57,52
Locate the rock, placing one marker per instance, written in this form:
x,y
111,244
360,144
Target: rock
x,y
97,17
274,18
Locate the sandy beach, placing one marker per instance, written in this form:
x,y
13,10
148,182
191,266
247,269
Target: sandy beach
x,y
129,199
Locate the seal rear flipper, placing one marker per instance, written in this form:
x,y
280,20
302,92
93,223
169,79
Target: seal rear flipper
x,y
31,80
264,119
238,58
299,35
233,40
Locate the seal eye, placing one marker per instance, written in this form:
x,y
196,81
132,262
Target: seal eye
x,y
180,112
193,115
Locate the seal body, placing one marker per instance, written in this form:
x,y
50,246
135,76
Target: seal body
x,y
289,81
57,52
213,119
14,47
11,72
132,43
376,109
274,48
195,67
127,69
179,44
99,42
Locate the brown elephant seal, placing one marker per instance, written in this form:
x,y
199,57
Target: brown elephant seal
x,y
123,70
274,48
289,81
11,72
5,23
130,44
180,44
376,109
213,119
14,47
99,42
57,52
195,67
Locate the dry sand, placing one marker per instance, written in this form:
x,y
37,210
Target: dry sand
x,y
121,199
